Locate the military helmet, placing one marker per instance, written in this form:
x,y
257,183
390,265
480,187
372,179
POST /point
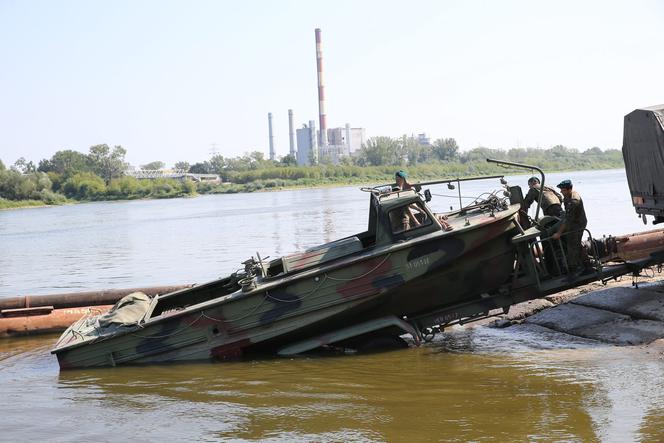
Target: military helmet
x,y
533,179
565,184
401,173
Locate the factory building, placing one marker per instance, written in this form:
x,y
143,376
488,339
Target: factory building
x,y
307,145
351,138
341,142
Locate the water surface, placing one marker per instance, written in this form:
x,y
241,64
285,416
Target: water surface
x,y
467,385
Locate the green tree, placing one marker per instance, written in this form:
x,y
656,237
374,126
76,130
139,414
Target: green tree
x,y
561,151
517,155
127,187
2,166
107,163
481,153
593,151
446,149
201,168
154,166
188,187
217,164
85,186
17,186
23,166
379,151
288,160
182,166
66,163
412,149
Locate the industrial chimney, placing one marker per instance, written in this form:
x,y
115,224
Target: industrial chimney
x,y
291,135
321,92
269,123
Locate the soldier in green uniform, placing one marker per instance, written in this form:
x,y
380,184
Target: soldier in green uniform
x,y
551,199
573,224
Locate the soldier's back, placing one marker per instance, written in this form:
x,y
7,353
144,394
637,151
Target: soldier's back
x,y
575,212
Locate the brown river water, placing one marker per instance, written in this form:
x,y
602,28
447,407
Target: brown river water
x,y
469,384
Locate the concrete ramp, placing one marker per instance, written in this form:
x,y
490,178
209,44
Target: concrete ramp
x,y
617,315
637,303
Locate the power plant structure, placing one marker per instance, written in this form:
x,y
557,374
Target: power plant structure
x,y
322,118
324,144
291,134
269,123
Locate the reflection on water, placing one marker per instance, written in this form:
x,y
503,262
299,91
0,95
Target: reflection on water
x,y
515,384
518,384
626,384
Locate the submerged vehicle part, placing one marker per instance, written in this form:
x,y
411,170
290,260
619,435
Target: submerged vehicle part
x,y
643,152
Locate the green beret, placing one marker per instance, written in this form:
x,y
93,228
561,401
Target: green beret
x,y
401,173
565,184
533,179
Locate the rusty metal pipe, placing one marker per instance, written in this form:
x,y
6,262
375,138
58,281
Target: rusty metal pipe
x,y
56,320
630,246
78,299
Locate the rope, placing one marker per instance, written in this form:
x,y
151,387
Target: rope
x,y
250,312
267,295
170,335
363,275
325,277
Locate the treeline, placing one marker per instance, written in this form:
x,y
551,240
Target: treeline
x,y
380,156
100,174
74,176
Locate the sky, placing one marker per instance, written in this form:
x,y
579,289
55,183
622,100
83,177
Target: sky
x,y
174,80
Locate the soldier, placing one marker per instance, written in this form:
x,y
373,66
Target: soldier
x,y
551,199
409,219
402,180
573,223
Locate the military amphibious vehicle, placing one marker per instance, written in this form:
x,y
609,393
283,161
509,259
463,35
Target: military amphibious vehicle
x,y
354,289
412,271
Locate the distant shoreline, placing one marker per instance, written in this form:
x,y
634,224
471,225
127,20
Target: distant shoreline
x,y
6,205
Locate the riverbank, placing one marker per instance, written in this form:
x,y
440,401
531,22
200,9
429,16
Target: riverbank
x,y
272,185
17,204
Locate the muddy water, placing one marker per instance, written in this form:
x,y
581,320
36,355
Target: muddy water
x,y
468,385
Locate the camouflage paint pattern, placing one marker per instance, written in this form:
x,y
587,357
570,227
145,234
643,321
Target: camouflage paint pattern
x,y
402,275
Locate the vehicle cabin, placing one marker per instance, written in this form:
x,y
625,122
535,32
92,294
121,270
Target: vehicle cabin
x,y
393,217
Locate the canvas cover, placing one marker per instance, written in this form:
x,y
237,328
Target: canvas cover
x,y
643,150
129,311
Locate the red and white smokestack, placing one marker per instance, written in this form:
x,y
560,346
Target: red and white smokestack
x,y
269,123
322,123
291,134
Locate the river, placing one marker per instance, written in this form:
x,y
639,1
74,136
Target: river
x,y
470,384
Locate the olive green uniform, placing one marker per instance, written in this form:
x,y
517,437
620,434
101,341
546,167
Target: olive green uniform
x,y
551,200
575,222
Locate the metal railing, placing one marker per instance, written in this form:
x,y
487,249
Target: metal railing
x,y
549,257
